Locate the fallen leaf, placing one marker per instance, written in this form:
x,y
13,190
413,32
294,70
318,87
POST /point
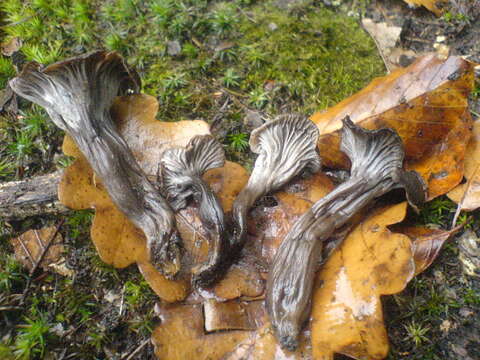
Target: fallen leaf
x,y
181,336
232,315
11,46
385,37
184,334
426,103
467,195
427,243
435,6
347,316
241,280
117,240
469,253
32,245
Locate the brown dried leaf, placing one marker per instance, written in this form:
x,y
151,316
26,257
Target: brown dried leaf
x,y
434,6
427,243
241,280
12,46
426,103
118,242
30,247
347,313
233,315
467,195
181,336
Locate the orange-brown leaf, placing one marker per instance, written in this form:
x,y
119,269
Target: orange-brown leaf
x,y
181,336
467,195
32,245
434,6
426,103
427,243
347,312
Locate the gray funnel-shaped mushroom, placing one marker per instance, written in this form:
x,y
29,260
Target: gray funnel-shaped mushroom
x,y
285,146
377,167
78,94
182,170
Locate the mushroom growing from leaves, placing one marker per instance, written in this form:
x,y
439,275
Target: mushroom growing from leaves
x,y
77,94
377,167
285,146
182,170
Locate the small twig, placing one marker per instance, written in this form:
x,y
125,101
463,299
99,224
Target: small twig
x,y
122,301
29,254
39,260
417,40
16,22
136,351
10,308
246,15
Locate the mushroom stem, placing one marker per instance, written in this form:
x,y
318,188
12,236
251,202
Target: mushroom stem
x,y
285,146
377,160
182,170
77,94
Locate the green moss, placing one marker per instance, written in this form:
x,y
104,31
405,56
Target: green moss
x,y
7,71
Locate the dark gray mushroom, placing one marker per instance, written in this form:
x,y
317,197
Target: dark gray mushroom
x,y
77,94
377,167
285,146
182,170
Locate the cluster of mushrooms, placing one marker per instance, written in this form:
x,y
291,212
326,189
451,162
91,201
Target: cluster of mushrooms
x,y
78,93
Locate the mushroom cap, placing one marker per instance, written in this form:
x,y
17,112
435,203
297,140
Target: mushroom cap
x,y
380,154
289,143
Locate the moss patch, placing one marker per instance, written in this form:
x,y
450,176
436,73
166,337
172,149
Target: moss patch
x,y
195,56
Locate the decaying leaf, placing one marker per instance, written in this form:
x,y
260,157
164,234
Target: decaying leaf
x,y
467,195
435,6
469,254
181,336
31,247
347,313
12,46
427,243
232,315
426,103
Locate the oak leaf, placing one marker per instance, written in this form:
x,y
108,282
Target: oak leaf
x,y
427,243
38,248
434,6
467,195
426,103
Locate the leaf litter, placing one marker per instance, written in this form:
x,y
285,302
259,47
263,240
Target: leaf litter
x,y
425,103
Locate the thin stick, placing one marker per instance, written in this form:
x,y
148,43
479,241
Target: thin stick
x,y
136,351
